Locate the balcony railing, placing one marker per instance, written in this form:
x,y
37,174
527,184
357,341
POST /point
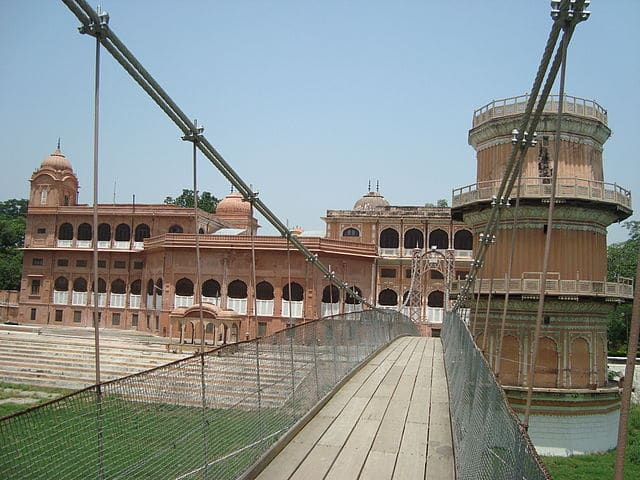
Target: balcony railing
x,y
117,300
122,244
264,308
183,301
237,304
388,252
79,298
83,243
352,307
134,301
296,308
537,187
531,281
212,300
517,105
329,309
60,297
64,243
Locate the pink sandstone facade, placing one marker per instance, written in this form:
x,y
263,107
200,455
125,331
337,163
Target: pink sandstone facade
x,y
147,263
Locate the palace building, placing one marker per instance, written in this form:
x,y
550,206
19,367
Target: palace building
x,y
147,263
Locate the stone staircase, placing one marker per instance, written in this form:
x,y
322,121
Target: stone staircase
x,y
64,357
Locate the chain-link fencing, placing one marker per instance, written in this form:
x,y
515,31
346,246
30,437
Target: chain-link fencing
x,y
207,416
489,440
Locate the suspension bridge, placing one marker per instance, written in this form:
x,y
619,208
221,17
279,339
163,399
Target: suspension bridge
x,y
358,395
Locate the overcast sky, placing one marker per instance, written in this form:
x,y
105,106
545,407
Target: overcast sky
x,y
307,101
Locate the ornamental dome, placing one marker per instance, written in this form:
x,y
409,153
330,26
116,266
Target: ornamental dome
x,y
233,204
57,161
371,201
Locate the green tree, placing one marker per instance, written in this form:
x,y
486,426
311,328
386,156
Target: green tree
x,y
206,201
622,260
442,202
13,216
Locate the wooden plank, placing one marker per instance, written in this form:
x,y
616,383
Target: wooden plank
x,y
379,466
353,455
317,463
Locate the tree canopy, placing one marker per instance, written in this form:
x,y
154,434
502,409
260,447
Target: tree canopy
x,y
622,261
206,201
13,216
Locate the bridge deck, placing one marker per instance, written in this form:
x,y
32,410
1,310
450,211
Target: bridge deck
x,y
390,421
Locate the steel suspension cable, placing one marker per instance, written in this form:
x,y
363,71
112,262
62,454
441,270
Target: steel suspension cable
x,y
117,49
547,244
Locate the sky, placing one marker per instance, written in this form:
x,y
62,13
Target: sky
x,y
308,101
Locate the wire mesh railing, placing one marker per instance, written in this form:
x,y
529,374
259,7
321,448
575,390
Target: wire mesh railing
x,y
489,440
207,416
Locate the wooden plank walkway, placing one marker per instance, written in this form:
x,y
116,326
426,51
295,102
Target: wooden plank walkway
x,y
390,421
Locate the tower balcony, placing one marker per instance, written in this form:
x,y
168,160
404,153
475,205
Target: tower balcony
x,y
516,106
540,188
565,289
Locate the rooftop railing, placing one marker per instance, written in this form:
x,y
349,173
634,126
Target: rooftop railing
x,y
517,105
540,187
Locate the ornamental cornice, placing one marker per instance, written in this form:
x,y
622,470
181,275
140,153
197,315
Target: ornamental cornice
x,y
563,138
575,129
552,307
535,216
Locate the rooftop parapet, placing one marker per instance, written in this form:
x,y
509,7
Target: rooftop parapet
x,y
517,105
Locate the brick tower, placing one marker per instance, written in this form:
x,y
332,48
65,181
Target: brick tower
x,y
575,409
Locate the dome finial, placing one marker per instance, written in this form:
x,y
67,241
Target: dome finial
x,y
369,186
58,143
378,186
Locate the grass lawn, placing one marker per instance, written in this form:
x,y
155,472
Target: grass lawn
x,y
600,467
133,438
17,397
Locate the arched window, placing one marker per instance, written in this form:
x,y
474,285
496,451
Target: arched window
x,y
237,289
61,284
436,275
387,298
201,230
184,287
84,232
123,233
330,294
175,229
436,299
159,286
211,288
351,232
102,286
264,291
463,240
142,231
439,239
351,300
150,286
413,238
80,285
389,238
104,232
118,286
136,287
65,232
297,292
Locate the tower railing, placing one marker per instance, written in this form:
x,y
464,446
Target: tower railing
x,y
529,284
540,187
517,105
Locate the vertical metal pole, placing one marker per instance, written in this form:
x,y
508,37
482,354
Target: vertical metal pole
x,y
547,244
314,340
96,288
253,267
632,351
198,297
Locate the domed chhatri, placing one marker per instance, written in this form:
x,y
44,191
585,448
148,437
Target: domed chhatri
x,y
57,161
233,204
371,201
